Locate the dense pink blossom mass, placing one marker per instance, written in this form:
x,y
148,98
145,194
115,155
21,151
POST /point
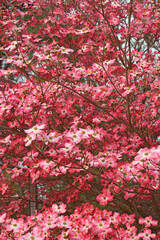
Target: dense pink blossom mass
x,y
79,120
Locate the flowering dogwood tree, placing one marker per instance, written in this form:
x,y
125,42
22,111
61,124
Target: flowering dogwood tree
x,y
80,119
